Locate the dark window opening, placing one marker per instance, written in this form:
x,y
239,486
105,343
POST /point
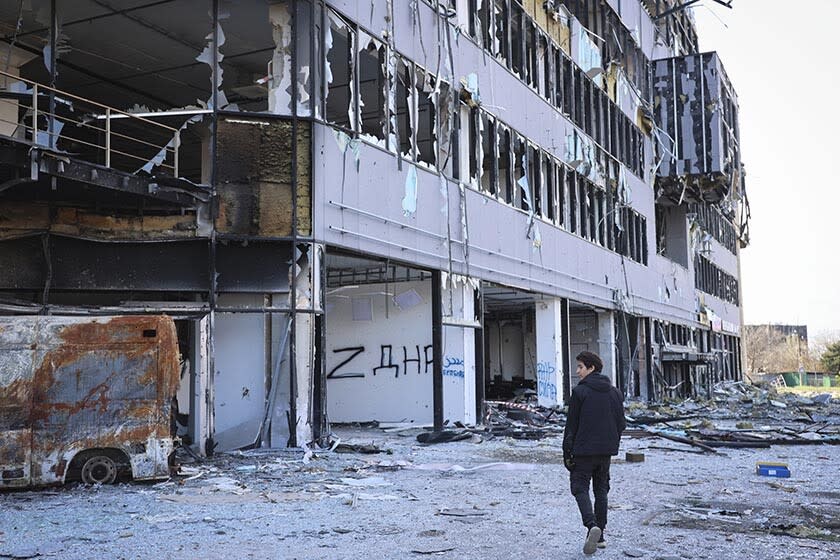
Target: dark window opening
x,y
516,40
534,179
583,203
572,180
500,24
372,86
550,187
473,146
531,70
403,106
426,116
504,164
339,58
488,170
520,200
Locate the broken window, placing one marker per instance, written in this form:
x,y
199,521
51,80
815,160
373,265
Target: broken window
x,y
372,86
610,220
544,62
562,175
592,209
500,29
488,171
426,117
444,100
339,43
557,69
549,188
403,118
578,93
534,179
474,150
600,201
517,42
519,155
568,87
571,182
531,66
505,187
583,204
480,29
303,55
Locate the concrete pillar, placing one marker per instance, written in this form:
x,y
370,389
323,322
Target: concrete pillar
x,y
606,343
459,352
549,333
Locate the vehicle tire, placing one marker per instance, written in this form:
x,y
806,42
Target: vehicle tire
x,y
99,469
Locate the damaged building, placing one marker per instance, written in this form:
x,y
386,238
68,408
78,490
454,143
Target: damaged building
x,y
377,210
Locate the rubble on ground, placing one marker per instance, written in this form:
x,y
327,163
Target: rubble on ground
x,y
737,414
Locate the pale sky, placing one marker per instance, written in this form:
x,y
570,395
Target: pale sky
x,y
782,58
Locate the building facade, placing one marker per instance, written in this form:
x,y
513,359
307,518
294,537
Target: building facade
x,y
377,210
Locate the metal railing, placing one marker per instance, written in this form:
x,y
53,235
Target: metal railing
x,y
86,129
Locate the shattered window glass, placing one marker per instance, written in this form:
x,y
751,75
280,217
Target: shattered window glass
x,y
571,184
531,77
516,40
372,86
472,134
500,30
549,187
426,117
544,62
480,22
535,179
445,102
488,179
339,74
503,142
402,118
561,174
519,154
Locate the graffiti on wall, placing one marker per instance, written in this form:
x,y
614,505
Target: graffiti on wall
x,y
414,360
453,367
545,380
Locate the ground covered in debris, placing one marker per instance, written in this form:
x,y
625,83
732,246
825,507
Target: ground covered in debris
x,y
487,497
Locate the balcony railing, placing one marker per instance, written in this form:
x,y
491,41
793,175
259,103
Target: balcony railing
x,y
85,129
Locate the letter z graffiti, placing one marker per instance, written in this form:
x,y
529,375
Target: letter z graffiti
x,y
355,351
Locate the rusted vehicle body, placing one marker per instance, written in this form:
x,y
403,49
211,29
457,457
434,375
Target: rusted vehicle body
x,y
85,398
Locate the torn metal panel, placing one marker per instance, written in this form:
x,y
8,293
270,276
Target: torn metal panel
x,y
696,116
409,201
72,385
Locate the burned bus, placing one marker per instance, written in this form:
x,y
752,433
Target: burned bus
x,y
86,398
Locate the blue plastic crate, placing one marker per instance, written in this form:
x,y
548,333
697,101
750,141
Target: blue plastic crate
x,y
771,469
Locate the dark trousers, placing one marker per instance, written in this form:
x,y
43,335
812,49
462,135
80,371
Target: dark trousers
x,y
597,469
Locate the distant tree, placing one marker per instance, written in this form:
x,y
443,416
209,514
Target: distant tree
x,y
769,351
830,359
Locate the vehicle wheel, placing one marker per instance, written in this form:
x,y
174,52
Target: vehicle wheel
x,y
99,469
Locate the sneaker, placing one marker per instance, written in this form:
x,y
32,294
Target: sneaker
x,y
591,543
601,542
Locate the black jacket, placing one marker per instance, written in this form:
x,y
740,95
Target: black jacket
x,y
596,418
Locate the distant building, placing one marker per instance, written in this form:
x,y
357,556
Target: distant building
x,y
786,331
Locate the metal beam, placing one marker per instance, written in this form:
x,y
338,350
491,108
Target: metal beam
x,y
437,351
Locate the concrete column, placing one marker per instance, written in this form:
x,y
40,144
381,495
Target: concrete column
x,y
459,353
549,333
606,343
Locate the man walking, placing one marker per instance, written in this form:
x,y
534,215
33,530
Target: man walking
x,y
592,435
